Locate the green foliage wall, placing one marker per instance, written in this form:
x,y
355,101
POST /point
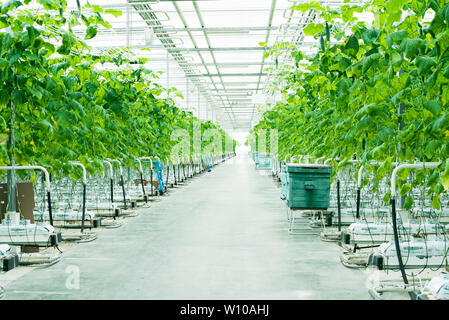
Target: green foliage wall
x,y
382,93
65,103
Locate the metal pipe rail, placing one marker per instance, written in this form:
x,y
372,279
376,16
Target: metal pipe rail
x,y
285,158
419,166
47,183
317,160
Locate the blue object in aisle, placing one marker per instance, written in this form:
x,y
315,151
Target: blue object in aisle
x,y
159,167
208,164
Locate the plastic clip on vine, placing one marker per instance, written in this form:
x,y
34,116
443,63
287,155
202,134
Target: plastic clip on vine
x,y
47,183
418,166
79,164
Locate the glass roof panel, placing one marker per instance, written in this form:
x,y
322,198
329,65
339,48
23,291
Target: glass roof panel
x,y
208,44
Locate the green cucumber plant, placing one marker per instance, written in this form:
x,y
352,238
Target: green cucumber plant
x,y
373,92
66,103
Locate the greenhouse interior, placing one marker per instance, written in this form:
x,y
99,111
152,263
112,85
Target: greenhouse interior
x,y
224,150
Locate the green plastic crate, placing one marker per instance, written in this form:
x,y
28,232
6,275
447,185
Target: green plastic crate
x,y
308,186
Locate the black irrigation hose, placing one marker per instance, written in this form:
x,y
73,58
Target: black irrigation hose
x,y
50,214
112,190
338,205
357,210
151,176
396,244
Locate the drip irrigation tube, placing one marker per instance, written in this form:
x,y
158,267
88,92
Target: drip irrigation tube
x,y
419,166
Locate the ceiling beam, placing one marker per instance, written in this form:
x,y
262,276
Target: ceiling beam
x,y
267,36
167,42
227,75
222,64
226,29
270,21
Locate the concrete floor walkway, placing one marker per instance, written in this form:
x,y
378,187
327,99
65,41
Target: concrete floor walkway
x,y
222,236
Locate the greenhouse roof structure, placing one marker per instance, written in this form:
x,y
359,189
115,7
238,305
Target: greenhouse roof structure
x,y
211,51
